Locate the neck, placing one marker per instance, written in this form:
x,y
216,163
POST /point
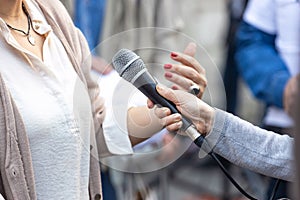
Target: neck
x,y
11,9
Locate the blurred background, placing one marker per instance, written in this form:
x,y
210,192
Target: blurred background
x,y
211,24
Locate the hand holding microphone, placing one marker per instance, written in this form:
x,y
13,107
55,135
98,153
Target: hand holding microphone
x,y
191,107
131,68
195,113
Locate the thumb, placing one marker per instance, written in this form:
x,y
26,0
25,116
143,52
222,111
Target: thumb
x,y
167,93
190,49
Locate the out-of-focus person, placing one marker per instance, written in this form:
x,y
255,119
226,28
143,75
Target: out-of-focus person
x,y
231,76
268,57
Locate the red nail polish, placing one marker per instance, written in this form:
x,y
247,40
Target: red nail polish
x,y
174,87
167,66
173,54
168,75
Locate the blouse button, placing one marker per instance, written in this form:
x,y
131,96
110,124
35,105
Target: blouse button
x,y
13,171
97,197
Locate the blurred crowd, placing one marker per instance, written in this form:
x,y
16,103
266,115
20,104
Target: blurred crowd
x,y
250,51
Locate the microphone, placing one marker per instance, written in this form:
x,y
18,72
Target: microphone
x,y
131,68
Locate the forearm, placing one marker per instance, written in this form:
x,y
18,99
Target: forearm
x,y
249,146
142,123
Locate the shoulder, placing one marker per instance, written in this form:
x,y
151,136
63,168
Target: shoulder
x,y
59,19
72,39
55,11
54,5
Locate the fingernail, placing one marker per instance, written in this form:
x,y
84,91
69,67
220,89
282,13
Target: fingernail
x,y
168,75
167,66
177,117
166,111
174,55
159,87
174,87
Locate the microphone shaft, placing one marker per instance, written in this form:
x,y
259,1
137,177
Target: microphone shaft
x,y
150,91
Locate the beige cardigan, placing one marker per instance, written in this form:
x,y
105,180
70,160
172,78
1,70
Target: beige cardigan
x,y
16,171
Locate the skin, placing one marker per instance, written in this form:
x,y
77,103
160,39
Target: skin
x,y
142,121
187,71
100,65
201,114
290,94
12,13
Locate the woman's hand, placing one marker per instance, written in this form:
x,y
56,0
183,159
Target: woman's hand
x,y
188,73
199,112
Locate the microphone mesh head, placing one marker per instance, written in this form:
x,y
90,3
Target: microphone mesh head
x,y
127,64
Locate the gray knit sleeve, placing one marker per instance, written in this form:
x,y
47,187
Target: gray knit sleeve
x,y
251,147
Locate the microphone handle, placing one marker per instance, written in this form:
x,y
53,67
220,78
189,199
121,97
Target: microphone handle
x,y
147,85
150,91
187,126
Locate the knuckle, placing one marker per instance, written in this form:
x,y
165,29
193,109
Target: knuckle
x,y
169,128
195,76
162,121
204,83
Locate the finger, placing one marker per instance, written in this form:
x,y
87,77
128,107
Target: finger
x,y
188,61
150,104
199,92
171,119
176,87
186,72
174,127
180,81
190,49
186,84
162,112
167,93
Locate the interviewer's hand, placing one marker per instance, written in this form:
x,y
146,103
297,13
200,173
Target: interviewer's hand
x,y
187,72
199,112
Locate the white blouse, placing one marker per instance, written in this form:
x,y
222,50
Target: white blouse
x,y
55,107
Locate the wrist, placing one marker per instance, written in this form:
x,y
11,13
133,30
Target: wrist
x,y
210,120
204,125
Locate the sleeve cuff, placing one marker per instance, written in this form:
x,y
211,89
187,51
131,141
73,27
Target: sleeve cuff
x,y
213,137
116,134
